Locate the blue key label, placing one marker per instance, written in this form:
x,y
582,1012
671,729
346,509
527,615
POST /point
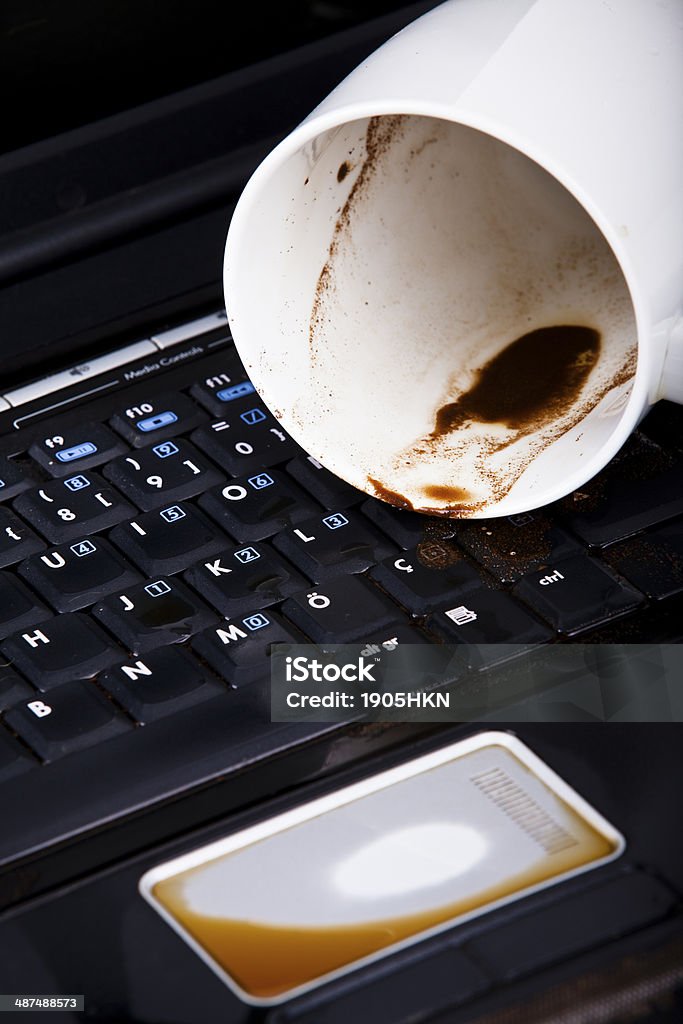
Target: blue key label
x,y
236,391
78,451
162,419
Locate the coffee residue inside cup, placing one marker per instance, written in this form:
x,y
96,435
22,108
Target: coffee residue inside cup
x,y
533,380
493,414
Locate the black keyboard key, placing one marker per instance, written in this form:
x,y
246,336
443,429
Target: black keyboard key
x,y
159,684
163,475
248,577
257,506
19,608
167,540
226,388
326,488
239,650
66,509
161,417
60,650
73,576
69,718
12,688
408,658
14,759
512,546
389,638
339,542
13,479
256,440
72,448
575,594
493,619
641,487
16,540
652,561
407,529
430,576
347,609
158,613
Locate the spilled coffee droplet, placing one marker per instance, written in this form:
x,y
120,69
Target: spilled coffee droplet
x,y
533,380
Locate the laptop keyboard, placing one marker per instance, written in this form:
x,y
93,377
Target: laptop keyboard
x,y
155,542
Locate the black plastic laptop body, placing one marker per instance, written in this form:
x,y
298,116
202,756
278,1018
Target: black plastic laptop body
x,y
111,303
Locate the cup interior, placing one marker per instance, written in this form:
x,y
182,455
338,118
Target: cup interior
x,y
398,266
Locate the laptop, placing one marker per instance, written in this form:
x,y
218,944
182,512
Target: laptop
x,y
131,731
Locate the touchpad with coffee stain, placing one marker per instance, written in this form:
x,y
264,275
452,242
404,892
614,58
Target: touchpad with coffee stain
x,y
304,897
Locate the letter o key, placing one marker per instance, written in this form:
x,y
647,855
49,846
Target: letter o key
x,y
234,492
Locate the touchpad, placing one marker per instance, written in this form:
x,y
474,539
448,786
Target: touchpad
x,y
347,878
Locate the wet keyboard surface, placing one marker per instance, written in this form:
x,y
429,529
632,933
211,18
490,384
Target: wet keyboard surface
x,y
154,543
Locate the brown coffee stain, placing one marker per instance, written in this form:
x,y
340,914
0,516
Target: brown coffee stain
x,y
456,496
379,136
438,554
270,960
460,510
533,380
392,497
436,548
576,358
441,492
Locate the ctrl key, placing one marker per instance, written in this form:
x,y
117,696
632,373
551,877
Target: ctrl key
x,y
69,718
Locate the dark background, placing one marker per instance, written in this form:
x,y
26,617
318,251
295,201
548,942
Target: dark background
x,y
65,63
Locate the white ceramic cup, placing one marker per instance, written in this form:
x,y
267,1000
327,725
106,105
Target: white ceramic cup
x,y
497,168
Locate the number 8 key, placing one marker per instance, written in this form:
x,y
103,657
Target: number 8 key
x,y
69,508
